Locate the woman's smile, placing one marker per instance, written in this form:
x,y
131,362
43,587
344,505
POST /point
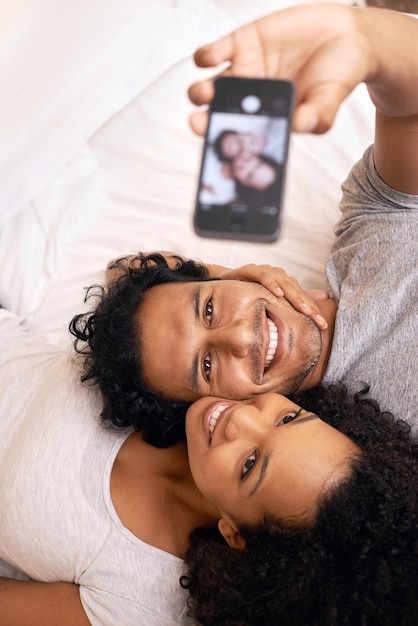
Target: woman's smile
x,y
263,454
213,418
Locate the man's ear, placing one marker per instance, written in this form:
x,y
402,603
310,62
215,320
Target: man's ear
x,y
231,534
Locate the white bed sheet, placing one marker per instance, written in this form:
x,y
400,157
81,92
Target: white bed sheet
x,y
117,170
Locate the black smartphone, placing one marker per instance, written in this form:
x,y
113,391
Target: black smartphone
x,y
243,166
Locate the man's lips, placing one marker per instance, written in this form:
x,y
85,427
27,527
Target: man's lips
x,y
271,343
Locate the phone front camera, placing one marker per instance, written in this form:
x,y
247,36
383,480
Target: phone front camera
x,y
250,104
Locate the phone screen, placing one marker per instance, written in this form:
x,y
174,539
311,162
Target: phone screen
x,y
244,159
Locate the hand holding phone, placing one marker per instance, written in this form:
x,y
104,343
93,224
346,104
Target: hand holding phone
x,y
244,159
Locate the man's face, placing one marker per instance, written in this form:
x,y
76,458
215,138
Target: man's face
x,y
243,144
231,339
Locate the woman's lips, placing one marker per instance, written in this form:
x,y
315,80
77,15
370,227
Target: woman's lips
x,y
212,417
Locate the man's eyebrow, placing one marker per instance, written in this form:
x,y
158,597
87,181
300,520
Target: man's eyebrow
x,y
261,475
195,300
194,378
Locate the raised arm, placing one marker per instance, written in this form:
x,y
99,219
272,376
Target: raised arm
x,y
327,50
25,603
393,88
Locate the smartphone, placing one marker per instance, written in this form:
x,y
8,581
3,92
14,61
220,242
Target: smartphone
x,y
242,173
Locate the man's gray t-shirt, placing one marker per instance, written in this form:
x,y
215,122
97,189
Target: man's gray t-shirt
x,y
373,274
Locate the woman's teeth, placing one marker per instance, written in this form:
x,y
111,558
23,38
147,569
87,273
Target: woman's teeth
x,y
214,416
274,340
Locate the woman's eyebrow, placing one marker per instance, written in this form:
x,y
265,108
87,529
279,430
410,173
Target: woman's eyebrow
x,y
261,475
304,418
266,460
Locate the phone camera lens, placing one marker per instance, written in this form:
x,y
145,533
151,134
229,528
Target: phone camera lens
x,y
250,104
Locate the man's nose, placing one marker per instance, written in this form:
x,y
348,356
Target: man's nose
x,y
235,338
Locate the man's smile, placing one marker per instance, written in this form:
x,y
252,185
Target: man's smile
x,y
272,344
231,339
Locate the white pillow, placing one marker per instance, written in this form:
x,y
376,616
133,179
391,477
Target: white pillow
x,y
67,67
131,186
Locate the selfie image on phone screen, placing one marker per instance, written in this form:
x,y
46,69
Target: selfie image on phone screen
x,y
244,158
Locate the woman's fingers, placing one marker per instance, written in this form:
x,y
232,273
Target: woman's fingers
x,y
276,280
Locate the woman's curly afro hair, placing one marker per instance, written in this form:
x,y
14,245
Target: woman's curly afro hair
x,y
356,565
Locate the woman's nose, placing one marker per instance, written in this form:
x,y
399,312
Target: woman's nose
x,y
242,422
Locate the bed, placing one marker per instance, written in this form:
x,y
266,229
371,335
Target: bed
x,y
97,159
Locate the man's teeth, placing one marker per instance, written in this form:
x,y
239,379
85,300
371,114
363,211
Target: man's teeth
x,y
220,408
274,340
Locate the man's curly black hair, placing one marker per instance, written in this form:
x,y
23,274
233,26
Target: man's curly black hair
x,y
356,564
108,337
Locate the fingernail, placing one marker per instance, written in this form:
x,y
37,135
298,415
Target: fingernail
x,y
322,321
306,307
279,291
311,119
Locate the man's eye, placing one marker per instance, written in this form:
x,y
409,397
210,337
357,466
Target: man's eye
x,y
207,367
248,465
209,309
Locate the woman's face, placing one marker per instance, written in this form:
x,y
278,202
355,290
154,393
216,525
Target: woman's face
x,y
264,455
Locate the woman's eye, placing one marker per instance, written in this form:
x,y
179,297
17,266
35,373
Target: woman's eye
x,y
207,367
209,309
248,465
290,417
